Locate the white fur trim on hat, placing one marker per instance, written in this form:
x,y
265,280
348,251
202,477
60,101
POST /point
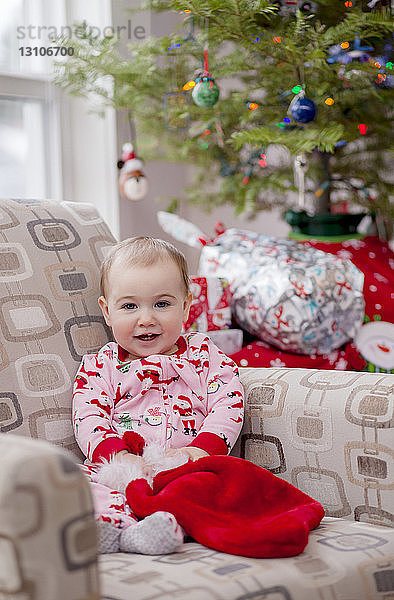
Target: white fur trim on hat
x,y
117,473
134,164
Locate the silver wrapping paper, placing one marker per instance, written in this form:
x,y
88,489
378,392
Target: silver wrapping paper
x,y
294,297
228,340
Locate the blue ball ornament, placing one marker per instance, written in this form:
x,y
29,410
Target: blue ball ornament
x,y
303,110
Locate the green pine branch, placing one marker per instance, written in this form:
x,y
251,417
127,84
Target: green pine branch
x,y
264,71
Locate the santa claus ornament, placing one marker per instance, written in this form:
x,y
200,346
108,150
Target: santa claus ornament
x,y
133,184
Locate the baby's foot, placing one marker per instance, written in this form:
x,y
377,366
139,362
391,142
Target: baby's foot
x,y
108,537
157,534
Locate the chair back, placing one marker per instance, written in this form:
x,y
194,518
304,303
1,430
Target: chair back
x,y
50,255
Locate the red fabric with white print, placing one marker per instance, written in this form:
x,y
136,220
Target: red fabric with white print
x,y
376,260
210,308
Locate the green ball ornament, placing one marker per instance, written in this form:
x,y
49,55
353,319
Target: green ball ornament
x,y
205,92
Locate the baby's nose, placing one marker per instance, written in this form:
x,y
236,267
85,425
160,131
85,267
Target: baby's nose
x,y
146,317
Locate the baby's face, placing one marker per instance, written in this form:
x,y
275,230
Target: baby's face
x,y
145,306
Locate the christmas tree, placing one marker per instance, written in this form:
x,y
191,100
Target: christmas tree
x,y
262,97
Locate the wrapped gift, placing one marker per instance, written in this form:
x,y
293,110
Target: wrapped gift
x,y
296,298
228,340
210,308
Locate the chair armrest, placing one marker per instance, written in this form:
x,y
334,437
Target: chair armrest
x,y
329,433
48,546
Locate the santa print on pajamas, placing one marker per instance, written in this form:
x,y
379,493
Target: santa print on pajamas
x,y
192,397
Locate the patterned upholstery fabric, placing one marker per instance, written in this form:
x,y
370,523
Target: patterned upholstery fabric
x,y
328,432
342,561
331,434
49,317
47,526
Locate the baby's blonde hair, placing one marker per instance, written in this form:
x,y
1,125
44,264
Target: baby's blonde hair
x,y
143,251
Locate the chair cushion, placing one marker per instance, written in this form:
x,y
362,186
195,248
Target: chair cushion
x,y
343,557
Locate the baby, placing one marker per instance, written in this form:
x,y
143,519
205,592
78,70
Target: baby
x,y
172,388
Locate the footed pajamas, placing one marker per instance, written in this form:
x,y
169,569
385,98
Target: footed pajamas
x,y
192,397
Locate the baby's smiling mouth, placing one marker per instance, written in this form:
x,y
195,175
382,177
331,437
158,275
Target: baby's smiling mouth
x,y
147,336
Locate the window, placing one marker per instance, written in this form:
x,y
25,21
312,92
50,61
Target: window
x,y
50,146
22,149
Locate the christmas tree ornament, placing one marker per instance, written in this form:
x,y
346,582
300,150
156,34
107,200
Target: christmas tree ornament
x,y
205,93
375,342
302,109
133,184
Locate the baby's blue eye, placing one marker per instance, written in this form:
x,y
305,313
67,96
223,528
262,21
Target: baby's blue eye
x,y
129,306
162,304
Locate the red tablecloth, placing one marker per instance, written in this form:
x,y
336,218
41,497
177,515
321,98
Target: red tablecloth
x,y
376,260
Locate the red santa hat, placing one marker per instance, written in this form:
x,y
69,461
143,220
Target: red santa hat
x,y
130,161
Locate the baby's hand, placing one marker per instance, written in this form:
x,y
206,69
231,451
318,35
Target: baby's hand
x,y
192,452
124,455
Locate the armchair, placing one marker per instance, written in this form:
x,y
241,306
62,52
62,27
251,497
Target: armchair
x,y
330,433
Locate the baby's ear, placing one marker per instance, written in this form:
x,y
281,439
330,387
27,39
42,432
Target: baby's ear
x,y
186,305
104,309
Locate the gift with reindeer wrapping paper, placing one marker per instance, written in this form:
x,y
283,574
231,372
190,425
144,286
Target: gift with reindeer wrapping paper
x,y
210,307
299,299
210,311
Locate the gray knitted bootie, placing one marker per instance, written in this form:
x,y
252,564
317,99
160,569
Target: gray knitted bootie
x,y
108,537
158,533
